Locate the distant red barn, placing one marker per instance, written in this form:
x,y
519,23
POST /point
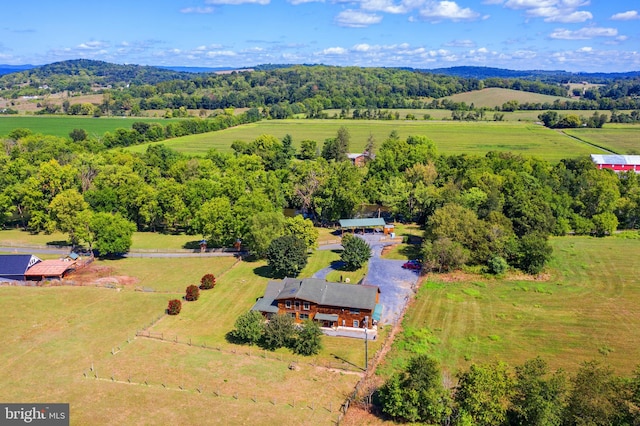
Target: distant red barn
x,y
617,163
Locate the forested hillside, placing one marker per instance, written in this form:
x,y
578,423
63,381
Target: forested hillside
x,y
285,92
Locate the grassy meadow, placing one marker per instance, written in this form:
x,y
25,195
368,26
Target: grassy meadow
x,y
618,138
587,307
56,334
450,137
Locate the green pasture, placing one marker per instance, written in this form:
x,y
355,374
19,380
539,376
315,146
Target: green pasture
x,y
62,125
617,138
450,137
587,307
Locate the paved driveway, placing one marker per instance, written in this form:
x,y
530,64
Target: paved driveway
x,y
396,284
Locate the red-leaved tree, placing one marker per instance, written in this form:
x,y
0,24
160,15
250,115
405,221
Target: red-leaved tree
x,y
193,292
175,306
207,282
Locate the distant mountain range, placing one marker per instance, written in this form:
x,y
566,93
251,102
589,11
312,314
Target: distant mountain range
x,y
461,71
8,69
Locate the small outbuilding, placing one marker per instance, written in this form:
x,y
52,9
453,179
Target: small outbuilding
x,y
368,223
50,269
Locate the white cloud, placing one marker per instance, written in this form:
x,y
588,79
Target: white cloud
x,y
93,45
237,2
552,10
586,49
197,10
580,16
217,53
584,33
356,19
626,16
387,6
460,43
335,51
437,11
297,2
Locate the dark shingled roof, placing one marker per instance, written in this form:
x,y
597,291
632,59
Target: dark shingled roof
x,y
329,294
317,291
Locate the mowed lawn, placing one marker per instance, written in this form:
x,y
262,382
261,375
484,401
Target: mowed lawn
x,y
450,137
618,138
587,308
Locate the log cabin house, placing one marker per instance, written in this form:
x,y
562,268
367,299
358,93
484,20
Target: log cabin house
x,y
330,304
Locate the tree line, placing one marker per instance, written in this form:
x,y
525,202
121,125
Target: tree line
x,y
495,394
476,210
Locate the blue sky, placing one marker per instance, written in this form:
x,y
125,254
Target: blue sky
x,y
572,35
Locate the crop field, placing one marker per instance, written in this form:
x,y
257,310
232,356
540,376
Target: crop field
x,y
495,96
618,138
61,126
587,307
449,137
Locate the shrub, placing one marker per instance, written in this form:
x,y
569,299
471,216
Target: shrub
x,y
207,282
193,293
175,306
497,265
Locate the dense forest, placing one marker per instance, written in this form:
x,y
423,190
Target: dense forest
x,y
298,89
499,208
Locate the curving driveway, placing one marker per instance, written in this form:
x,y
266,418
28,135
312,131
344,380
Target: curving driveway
x,y
396,284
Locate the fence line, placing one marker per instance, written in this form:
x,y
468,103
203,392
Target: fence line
x,y
214,390
246,351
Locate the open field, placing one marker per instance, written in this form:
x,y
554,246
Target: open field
x,y
588,307
618,138
144,241
62,125
495,96
56,334
450,137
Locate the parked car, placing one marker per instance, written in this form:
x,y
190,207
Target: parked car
x,y
412,264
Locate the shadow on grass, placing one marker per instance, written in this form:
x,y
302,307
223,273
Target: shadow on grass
x,y
263,271
192,245
60,243
339,358
412,251
338,265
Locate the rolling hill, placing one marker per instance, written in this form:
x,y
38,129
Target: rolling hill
x,y
493,97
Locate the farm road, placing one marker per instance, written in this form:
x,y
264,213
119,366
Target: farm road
x,y
396,284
